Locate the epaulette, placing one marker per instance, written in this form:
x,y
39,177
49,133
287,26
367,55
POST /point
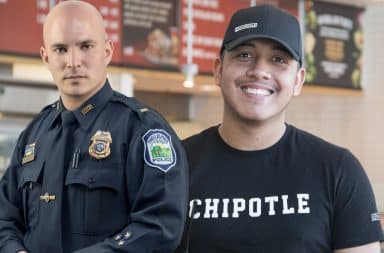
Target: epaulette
x,y
145,114
50,106
43,113
132,103
44,110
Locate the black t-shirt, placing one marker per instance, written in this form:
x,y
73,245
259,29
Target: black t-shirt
x,y
302,194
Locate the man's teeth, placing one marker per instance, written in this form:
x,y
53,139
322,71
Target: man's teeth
x,y
261,92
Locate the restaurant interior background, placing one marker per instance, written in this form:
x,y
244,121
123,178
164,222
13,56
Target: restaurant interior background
x,y
164,51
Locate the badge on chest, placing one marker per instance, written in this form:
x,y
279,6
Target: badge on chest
x,y
100,147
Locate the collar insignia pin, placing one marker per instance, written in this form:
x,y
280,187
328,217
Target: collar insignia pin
x,y
86,109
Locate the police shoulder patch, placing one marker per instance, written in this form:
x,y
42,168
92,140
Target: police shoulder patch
x,y
158,149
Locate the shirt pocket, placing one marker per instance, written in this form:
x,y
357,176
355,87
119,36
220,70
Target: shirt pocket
x,y
30,184
104,207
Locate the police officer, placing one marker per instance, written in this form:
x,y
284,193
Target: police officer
x,y
95,171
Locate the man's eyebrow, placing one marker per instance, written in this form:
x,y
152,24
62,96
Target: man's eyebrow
x,y
57,45
86,42
281,48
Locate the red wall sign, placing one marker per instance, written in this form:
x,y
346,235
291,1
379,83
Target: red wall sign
x,y
21,25
210,19
146,34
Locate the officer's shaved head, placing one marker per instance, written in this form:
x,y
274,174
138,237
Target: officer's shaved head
x,y
76,50
70,11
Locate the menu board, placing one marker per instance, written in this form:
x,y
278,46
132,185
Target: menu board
x,y
210,19
146,33
333,44
150,34
111,12
153,33
292,6
21,24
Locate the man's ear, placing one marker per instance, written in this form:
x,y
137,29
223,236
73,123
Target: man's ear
x,y
300,78
44,54
109,48
217,71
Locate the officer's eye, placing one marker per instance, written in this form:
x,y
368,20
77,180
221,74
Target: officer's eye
x,y
60,50
86,46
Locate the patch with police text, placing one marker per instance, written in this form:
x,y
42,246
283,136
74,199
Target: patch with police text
x,y
158,149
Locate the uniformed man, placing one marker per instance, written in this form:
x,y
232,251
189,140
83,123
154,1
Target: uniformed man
x,y
95,171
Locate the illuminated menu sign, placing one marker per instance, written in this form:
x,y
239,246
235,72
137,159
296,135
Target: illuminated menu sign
x,y
111,12
21,24
291,6
150,33
210,19
146,33
333,45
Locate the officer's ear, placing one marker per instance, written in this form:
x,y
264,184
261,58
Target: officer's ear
x,y
108,49
44,54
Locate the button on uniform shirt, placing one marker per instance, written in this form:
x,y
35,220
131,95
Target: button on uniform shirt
x,y
124,189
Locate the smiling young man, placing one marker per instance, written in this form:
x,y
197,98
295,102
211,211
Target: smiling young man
x,y
95,171
258,184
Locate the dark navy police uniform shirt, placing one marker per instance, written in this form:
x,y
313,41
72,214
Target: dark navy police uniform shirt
x,y
125,189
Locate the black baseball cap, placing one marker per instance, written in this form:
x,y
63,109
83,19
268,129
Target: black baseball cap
x,y
264,21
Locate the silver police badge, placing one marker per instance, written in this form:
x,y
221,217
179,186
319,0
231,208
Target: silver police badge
x,y
100,147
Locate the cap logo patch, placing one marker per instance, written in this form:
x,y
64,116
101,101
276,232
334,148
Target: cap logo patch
x,y
158,149
245,26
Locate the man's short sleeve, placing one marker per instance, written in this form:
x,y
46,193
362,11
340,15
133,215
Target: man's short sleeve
x,y
356,219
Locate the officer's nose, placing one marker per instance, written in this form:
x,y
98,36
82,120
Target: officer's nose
x,y
259,69
73,59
